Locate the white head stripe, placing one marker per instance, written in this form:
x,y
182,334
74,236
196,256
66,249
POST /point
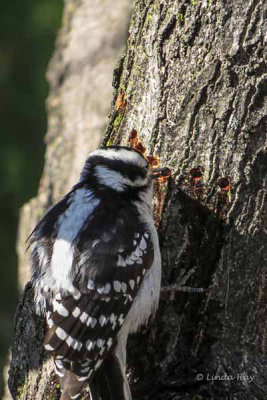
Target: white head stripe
x,y
125,155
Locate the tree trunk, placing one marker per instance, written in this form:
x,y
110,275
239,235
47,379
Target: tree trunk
x,y
194,78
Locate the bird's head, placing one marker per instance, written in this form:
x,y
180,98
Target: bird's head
x,y
121,169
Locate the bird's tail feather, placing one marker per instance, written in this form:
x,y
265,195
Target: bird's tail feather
x,y
72,388
110,381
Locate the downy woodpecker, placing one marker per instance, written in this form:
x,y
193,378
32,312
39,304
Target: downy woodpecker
x,y
97,272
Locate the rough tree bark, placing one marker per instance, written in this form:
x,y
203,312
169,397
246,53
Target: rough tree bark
x,y
194,77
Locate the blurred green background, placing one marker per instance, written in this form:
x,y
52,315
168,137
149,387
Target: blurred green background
x,y
27,35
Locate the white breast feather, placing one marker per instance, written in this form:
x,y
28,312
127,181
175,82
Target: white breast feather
x,y
70,223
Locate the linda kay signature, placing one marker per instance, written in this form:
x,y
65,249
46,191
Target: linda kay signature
x,y
225,377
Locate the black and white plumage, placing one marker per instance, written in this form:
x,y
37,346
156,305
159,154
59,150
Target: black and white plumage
x,y
97,271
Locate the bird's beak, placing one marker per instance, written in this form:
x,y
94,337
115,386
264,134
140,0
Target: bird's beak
x,y
161,173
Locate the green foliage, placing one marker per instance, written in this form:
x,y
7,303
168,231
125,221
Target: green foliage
x,y
27,34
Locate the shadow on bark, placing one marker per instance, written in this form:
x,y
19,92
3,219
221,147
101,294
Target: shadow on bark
x,y
185,354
